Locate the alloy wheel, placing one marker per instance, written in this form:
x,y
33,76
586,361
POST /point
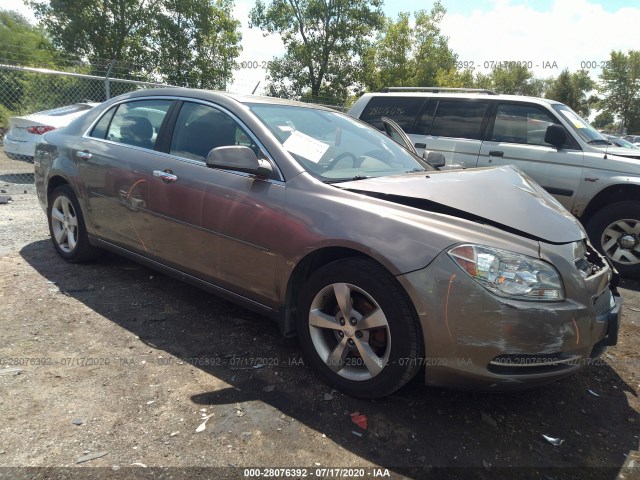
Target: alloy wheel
x,y
64,223
349,331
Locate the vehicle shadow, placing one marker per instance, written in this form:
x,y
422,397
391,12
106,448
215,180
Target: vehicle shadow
x,y
413,432
630,284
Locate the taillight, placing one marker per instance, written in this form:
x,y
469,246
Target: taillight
x,y
40,129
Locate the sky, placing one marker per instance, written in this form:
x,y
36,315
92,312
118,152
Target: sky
x,y
548,35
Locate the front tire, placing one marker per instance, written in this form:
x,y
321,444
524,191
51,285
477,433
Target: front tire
x,y
67,227
358,328
615,231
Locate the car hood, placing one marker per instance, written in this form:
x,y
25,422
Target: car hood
x,y
621,151
502,196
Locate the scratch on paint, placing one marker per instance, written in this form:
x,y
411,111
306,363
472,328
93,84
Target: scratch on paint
x,y
446,306
131,219
577,331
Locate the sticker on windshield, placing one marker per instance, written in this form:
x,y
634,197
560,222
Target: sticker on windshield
x,y
573,118
305,146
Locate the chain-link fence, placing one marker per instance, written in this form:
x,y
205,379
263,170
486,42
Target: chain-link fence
x,y
32,100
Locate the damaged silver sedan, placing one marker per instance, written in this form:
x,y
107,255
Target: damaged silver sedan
x,y
381,265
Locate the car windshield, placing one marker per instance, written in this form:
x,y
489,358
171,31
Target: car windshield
x,y
623,143
335,147
581,126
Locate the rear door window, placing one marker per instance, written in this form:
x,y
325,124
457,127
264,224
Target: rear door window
x,y
459,119
402,110
136,123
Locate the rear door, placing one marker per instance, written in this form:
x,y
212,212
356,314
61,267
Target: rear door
x,y
393,130
115,171
453,127
515,136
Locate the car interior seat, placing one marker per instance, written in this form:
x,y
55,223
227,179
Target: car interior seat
x,y
136,130
206,133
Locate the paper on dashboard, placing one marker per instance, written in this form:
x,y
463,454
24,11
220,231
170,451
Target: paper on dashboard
x,y
305,146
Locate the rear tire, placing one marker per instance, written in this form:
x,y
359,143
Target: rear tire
x,y
358,328
615,231
67,227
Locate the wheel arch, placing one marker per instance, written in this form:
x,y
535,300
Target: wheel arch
x,y
55,182
608,196
303,271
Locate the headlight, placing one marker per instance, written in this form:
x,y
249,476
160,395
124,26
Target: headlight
x,y
509,274
580,259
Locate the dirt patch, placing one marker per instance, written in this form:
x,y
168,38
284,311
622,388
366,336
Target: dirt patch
x,y
116,358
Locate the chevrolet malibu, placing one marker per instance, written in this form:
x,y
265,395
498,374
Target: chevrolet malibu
x,y
382,265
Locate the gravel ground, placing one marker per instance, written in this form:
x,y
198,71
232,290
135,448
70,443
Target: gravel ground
x,y
121,368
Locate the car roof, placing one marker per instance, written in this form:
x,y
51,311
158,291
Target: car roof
x,y
471,96
219,96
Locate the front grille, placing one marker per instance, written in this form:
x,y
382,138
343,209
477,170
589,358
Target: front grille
x,y
527,364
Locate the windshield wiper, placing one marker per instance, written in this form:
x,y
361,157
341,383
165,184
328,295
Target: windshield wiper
x,y
599,142
341,180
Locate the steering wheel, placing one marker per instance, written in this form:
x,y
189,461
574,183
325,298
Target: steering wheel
x,y
343,155
378,154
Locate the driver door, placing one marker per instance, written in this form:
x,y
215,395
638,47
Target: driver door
x,y
218,225
393,130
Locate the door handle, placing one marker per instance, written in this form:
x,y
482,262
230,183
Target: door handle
x,y
166,176
420,145
84,154
496,153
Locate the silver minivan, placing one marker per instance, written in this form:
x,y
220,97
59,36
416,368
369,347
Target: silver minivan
x,y
543,138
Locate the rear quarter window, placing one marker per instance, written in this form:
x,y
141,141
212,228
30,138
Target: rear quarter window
x,y
403,110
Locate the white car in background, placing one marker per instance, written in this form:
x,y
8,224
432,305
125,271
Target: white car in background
x,y
635,139
25,131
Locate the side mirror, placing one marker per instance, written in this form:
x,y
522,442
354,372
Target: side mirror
x,y
434,159
238,158
555,135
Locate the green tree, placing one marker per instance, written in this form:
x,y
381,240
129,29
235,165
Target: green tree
x,y
24,44
455,78
197,43
187,42
323,39
405,55
98,30
572,89
432,52
514,79
620,87
388,62
603,121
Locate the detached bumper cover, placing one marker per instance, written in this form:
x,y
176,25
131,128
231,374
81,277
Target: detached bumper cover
x,y
613,323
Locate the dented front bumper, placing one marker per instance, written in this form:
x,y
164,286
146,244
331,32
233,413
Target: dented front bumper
x,y
474,339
